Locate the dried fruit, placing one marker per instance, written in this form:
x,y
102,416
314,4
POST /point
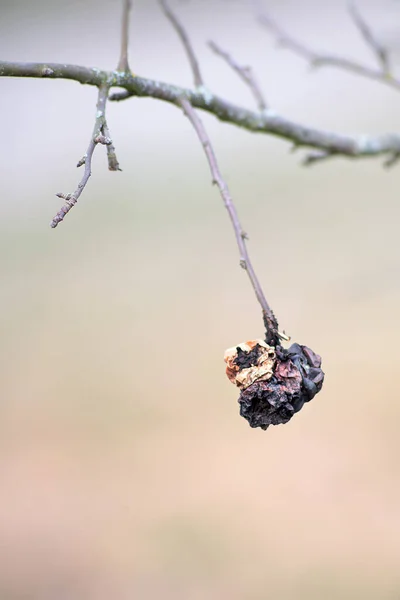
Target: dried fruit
x,y
249,362
274,382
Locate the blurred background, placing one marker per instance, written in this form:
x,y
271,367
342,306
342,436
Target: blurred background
x,y
125,469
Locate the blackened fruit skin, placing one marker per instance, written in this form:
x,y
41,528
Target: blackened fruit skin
x,y
263,404
297,378
245,360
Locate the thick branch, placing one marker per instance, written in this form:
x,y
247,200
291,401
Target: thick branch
x,y
269,317
267,122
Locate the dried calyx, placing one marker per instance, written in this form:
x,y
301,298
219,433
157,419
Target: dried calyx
x,y
274,382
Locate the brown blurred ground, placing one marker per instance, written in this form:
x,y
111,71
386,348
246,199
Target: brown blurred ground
x,y
125,470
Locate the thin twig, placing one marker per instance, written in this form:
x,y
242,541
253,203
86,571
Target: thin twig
x,y
326,60
268,122
183,36
380,52
316,157
392,160
271,324
113,164
244,72
123,64
100,135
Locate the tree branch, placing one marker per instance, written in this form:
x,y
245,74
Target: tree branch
x,y
123,64
272,335
317,59
380,52
244,72
267,122
183,36
100,135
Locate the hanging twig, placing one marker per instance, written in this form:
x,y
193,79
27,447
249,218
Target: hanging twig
x,y
271,324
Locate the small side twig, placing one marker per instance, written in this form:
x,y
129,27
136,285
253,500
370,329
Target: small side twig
x,y
183,36
380,52
123,64
244,72
113,164
100,135
316,157
270,321
316,59
392,160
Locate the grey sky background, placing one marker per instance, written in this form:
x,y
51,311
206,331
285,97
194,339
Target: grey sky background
x,y
125,470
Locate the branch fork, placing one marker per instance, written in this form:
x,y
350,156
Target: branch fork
x,y
100,135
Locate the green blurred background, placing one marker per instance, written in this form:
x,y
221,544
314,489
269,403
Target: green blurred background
x,y
125,469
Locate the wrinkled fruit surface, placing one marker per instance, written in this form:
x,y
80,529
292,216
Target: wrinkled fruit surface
x,y
274,382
